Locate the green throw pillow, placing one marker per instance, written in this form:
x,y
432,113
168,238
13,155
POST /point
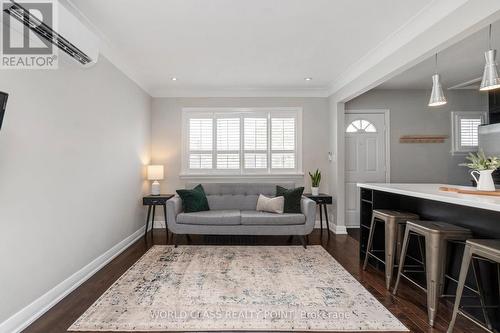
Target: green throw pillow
x,y
194,200
292,198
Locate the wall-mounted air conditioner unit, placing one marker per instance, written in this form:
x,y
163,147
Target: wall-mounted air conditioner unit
x,y
66,32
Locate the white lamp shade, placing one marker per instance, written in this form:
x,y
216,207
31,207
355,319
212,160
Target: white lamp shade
x,y
155,172
490,79
437,95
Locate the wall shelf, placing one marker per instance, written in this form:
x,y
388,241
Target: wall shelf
x,y
423,138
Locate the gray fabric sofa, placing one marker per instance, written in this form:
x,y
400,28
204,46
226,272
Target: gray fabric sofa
x,y
232,212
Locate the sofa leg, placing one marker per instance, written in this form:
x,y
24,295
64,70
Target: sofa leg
x,y
290,239
188,239
303,240
174,239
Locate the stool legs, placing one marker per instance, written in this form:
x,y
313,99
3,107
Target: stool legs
x,y
404,248
477,278
391,232
461,283
435,261
370,241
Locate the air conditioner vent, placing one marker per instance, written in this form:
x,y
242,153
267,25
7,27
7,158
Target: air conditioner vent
x,y
44,31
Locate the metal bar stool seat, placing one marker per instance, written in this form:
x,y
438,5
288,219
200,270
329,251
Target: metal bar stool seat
x,y
436,235
481,249
394,221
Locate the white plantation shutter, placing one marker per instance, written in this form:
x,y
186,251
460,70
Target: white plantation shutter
x,y
200,143
283,143
465,130
228,143
241,141
255,143
469,132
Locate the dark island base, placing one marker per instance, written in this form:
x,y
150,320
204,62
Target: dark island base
x,y
482,223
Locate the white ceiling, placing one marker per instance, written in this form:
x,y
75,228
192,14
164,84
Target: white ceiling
x,y
461,62
244,44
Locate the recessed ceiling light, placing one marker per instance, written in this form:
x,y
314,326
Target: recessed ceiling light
x,y
174,79
308,78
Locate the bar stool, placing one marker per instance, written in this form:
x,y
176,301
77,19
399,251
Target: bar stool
x,y
394,221
436,235
475,249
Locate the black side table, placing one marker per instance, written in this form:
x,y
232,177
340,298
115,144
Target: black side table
x,y
322,200
152,201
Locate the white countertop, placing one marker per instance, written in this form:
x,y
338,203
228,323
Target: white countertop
x,y
432,192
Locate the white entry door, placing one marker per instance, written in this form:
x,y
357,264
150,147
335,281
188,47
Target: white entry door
x,y
365,157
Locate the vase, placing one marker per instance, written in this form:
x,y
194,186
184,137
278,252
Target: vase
x,y
315,190
485,180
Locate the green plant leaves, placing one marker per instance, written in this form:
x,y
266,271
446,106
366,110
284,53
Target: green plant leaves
x,y
480,162
315,178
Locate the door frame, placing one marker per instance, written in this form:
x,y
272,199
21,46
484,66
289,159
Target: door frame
x,y
387,121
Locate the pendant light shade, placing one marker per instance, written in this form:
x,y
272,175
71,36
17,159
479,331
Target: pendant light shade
x,y
490,79
490,75
437,95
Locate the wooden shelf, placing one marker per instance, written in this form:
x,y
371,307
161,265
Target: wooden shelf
x,y
423,138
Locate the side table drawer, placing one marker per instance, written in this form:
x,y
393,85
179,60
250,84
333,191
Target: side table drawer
x,y
154,201
325,200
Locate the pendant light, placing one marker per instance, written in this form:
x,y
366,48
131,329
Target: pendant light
x,y
490,75
437,95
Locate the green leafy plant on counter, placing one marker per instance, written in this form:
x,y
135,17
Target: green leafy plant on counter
x,y
315,178
480,162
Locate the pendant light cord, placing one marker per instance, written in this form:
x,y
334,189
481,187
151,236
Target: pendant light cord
x,y
436,64
489,38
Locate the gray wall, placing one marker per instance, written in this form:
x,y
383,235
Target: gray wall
x,y
72,150
411,115
167,131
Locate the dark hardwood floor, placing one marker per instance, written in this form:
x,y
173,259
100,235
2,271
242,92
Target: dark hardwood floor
x,y
408,306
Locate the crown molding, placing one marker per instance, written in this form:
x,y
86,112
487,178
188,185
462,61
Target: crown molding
x,y
240,92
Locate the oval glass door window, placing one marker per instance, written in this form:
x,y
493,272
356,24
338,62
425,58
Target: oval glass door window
x,y
362,126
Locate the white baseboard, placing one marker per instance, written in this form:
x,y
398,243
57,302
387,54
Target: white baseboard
x,y
352,226
23,318
339,229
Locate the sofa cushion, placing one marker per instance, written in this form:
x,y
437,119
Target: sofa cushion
x,y
292,198
210,217
270,205
252,217
229,202
194,200
242,196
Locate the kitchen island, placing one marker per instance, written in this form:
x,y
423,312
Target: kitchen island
x,y
480,214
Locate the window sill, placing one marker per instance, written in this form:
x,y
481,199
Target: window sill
x,y
297,175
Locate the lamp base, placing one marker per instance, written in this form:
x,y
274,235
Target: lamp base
x,y
155,188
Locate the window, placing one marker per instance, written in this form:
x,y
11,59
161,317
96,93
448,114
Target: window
x,y
465,130
236,141
361,126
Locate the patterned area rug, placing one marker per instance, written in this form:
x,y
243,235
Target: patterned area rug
x,y
246,288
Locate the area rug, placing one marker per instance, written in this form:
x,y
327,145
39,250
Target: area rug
x,y
243,288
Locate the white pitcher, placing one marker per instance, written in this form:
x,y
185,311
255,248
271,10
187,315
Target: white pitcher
x,y
485,181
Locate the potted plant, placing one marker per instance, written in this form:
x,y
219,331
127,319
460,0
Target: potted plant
x,y
315,180
483,166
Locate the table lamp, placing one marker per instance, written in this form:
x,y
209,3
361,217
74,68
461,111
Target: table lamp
x,y
155,172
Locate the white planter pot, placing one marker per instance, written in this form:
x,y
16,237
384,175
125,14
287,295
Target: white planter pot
x,y
485,180
315,190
